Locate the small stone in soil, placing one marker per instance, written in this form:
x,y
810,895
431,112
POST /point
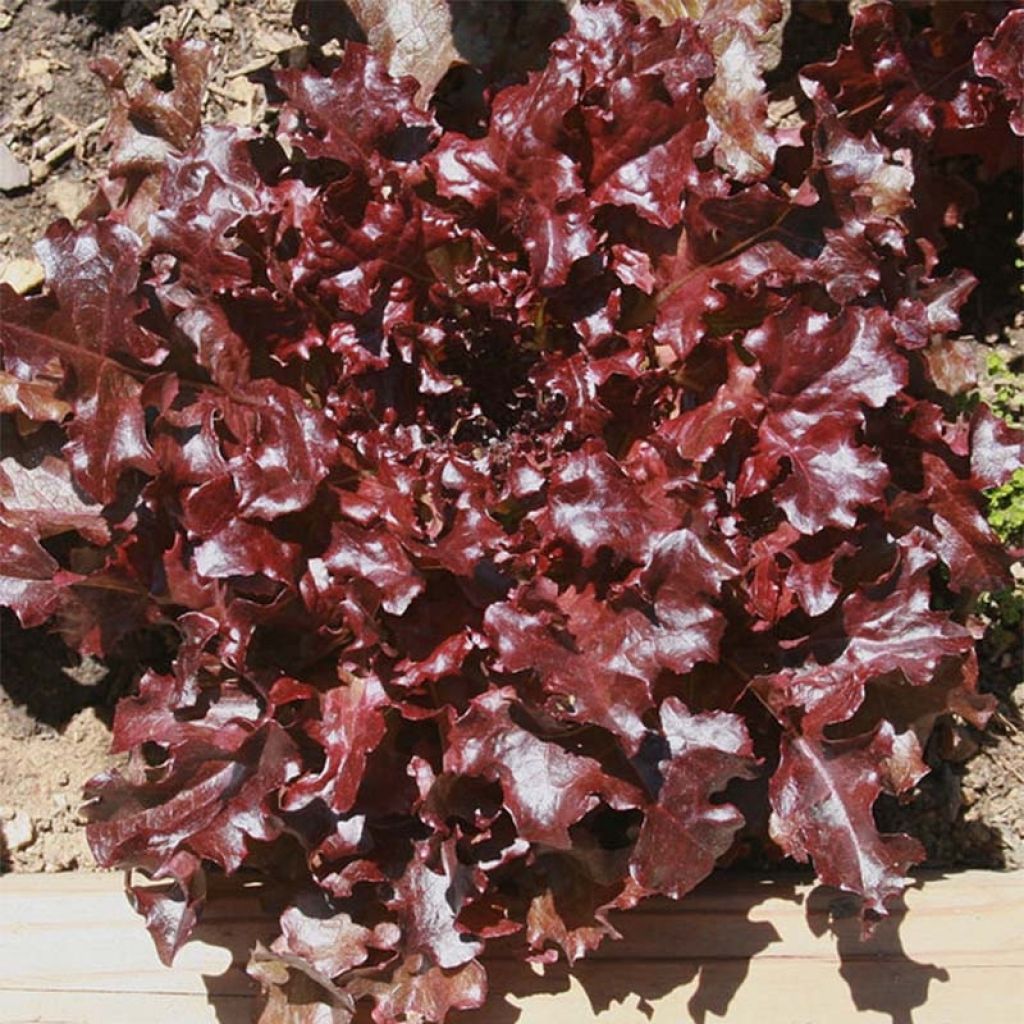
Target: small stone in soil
x,y
19,832
13,173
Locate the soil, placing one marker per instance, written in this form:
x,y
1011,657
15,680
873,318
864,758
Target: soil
x,y
55,709
42,771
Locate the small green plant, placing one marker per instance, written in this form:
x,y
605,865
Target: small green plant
x,y
1007,397
1005,611
1005,608
1006,509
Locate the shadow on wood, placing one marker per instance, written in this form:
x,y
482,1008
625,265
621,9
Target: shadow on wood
x,y
772,951
708,938
706,943
903,986
235,918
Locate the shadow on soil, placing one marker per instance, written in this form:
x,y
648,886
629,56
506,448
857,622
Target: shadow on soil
x,y
41,674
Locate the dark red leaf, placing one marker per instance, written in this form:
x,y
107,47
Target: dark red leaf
x,y
819,373
351,725
428,900
875,634
37,400
27,578
417,989
593,504
999,58
172,912
545,788
44,501
683,832
414,36
353,114
736,101
95,273
822,795
996,449
331,943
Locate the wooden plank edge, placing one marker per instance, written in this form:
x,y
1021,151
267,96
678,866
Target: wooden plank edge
x,y
971,925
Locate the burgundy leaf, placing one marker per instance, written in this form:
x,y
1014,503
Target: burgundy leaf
x,y
683,832
736,101
27,579
996,449
171,913
147,125
593,504
570,908
351,726
414,36
375,557
295,991
874,635
95,272
149,716
175,114
956,528
429,899
37,400
205,193
814,400
245,549
356,112
821,796
600,674
645,161
999,58
209,806
416,989
332,943
546,789
44,501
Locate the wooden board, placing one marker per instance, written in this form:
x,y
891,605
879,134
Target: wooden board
x,y
756,951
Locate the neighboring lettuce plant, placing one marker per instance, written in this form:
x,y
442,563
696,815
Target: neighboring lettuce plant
x,y
504,496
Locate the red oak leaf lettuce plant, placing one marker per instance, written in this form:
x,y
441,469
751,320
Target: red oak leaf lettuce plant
x,y
522,502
